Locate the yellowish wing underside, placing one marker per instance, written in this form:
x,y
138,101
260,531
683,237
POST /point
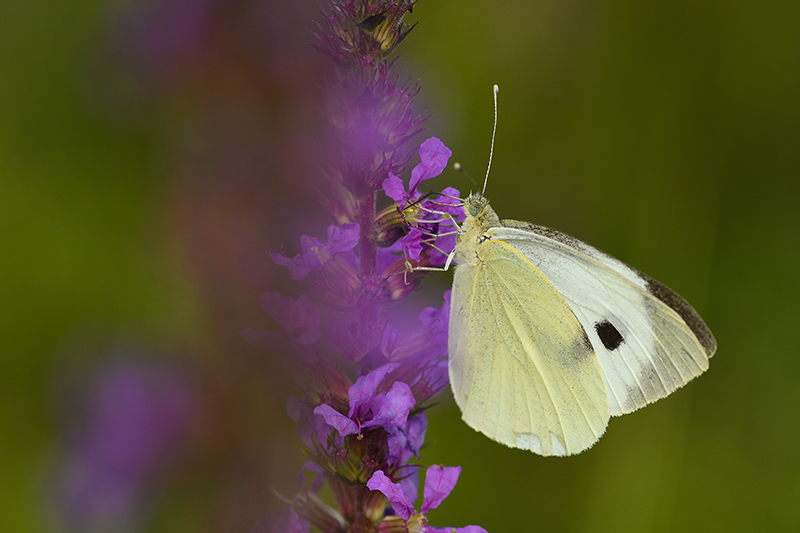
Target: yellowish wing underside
x,y
522,369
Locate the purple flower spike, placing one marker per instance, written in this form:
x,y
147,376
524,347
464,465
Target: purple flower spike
x,y
133,421
368,369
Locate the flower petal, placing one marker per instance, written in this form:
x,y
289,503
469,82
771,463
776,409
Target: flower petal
x,y
316,483
334,418
437,321
412,243
448,202
415,432
315,253
405,442
394,189
439,483
388,256
410,486
393,492
434,155
393,408
342,238
365,387
308,423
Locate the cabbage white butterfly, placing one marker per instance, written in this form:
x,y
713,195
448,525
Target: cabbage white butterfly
x,y
549,337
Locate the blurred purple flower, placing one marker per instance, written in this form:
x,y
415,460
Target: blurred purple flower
x,y
299,320
310,425
288,521
133,422
159,36
315,254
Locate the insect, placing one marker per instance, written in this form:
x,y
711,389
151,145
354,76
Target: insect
x,y
549,337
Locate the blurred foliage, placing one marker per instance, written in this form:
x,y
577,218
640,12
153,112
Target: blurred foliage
x,y
143,185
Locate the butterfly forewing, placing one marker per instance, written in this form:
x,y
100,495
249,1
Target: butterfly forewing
x,y
522,369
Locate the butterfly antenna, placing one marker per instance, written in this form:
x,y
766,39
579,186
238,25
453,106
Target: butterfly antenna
x,y
491,150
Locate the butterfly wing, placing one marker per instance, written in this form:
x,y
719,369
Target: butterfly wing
x,y
648,339
522,369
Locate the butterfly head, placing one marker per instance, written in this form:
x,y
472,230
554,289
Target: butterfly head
x,y
479,213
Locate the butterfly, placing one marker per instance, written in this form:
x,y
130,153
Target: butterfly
x,y
549,337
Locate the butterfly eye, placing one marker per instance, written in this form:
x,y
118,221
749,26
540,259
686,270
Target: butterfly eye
x,y
474,209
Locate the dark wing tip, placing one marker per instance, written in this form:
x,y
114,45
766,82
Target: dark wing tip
x,y
686,312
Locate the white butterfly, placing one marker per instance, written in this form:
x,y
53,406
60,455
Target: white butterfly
x,y
549,336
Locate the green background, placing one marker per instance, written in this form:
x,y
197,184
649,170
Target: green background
x,y
667,135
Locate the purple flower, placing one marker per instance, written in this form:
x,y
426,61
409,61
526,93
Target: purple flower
x,y
369,409
437,321
434,155
412,244
439,483
425,218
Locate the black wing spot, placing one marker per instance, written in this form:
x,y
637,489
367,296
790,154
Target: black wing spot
x,y
609,335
